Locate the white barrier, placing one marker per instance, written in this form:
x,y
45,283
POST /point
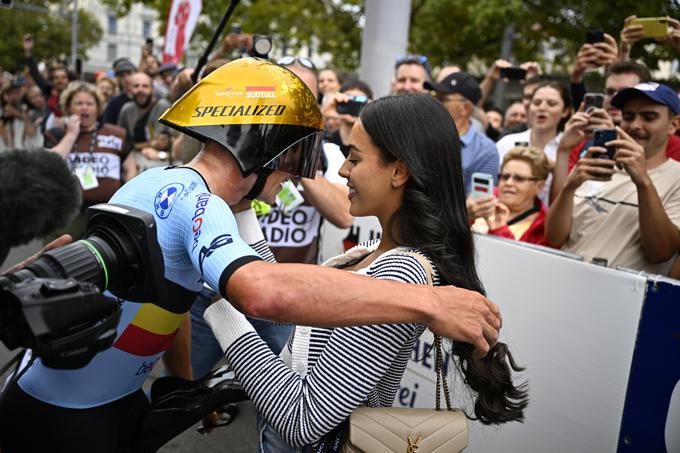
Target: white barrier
x,y
573,325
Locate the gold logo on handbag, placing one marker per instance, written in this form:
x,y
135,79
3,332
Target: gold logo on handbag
x,y
413,446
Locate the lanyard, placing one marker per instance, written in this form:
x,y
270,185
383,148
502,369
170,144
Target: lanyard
x,y
523,215
74,149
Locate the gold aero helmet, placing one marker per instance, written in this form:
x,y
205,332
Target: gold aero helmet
x,y
261,112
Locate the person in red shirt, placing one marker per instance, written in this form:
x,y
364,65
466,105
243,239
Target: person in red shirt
x,y
516,212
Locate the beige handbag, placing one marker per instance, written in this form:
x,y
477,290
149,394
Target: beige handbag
x,y
405,430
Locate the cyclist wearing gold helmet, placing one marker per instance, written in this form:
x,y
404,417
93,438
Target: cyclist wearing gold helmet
x,y
261,124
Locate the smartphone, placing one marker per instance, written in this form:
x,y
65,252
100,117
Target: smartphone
x,y
513,73
353,106
653,27
593,101
482,185
522,144
594,36
601,137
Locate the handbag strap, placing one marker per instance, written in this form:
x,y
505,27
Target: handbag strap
x,y
439,354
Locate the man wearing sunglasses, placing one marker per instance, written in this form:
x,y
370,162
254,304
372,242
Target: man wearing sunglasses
x,y
410,72
622,203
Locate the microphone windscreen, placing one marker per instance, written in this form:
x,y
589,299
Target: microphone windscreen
x,y
38,195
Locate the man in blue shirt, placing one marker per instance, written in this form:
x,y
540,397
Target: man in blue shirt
x,y
459,93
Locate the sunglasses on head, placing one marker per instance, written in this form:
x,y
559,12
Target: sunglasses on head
x,y
413,59
291,60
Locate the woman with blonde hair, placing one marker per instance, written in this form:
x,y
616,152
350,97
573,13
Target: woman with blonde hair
x,y
96,153
516,212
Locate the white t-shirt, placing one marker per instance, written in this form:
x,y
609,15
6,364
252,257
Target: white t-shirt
x,y
606,221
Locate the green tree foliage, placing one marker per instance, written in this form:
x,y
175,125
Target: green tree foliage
x,y
463,32
51,32
324,25
458,31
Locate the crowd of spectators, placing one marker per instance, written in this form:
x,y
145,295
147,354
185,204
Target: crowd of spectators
x,y
553,186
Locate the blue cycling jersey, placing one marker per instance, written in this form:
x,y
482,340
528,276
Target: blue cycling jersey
x,y
199,240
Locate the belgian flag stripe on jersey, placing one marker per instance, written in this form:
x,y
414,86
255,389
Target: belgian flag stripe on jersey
x,y
150,332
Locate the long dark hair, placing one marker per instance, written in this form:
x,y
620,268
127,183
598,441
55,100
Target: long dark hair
x,y
418,130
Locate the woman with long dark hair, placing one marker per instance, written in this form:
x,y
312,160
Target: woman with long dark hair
x,y
404,167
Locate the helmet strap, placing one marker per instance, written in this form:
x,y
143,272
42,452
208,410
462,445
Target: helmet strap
x,y
262,175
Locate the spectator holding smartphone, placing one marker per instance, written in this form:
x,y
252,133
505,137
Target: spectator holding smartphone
x,y
550,110
516,212
626,210
579,129
591,56
633,32
333,108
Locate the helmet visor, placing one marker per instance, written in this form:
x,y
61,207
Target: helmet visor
x,y
301,158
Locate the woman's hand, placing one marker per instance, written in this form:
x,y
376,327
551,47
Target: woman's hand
x,y
73,125
480,207
499,218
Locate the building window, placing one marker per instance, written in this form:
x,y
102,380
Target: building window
x,y
146,28
113,24
112,52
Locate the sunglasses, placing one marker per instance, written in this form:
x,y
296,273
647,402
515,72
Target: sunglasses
x,y
413,59
291,60
505,177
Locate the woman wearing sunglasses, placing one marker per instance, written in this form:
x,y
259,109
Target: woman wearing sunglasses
x,y
517,212
404,168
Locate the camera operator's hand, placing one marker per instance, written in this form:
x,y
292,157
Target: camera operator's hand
x,y
28,43
630,156
590,168
532,68
61,241
480,207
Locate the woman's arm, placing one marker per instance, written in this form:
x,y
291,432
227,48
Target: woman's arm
x,y
353,361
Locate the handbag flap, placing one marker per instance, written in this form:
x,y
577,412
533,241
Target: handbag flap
x,y
406,430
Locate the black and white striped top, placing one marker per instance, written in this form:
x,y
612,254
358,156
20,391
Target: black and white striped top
x,y
346,367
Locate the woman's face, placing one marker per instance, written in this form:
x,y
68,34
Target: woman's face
x,y
547,109
328,82
519,190
85,105
106,88
370,181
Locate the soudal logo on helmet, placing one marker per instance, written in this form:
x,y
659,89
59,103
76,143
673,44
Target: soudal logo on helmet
x,y
260,92
197,220
238,110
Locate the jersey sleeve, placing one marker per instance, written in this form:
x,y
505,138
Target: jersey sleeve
x,y
211,238
353,362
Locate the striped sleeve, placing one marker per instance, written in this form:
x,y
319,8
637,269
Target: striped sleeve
x,y
354,360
